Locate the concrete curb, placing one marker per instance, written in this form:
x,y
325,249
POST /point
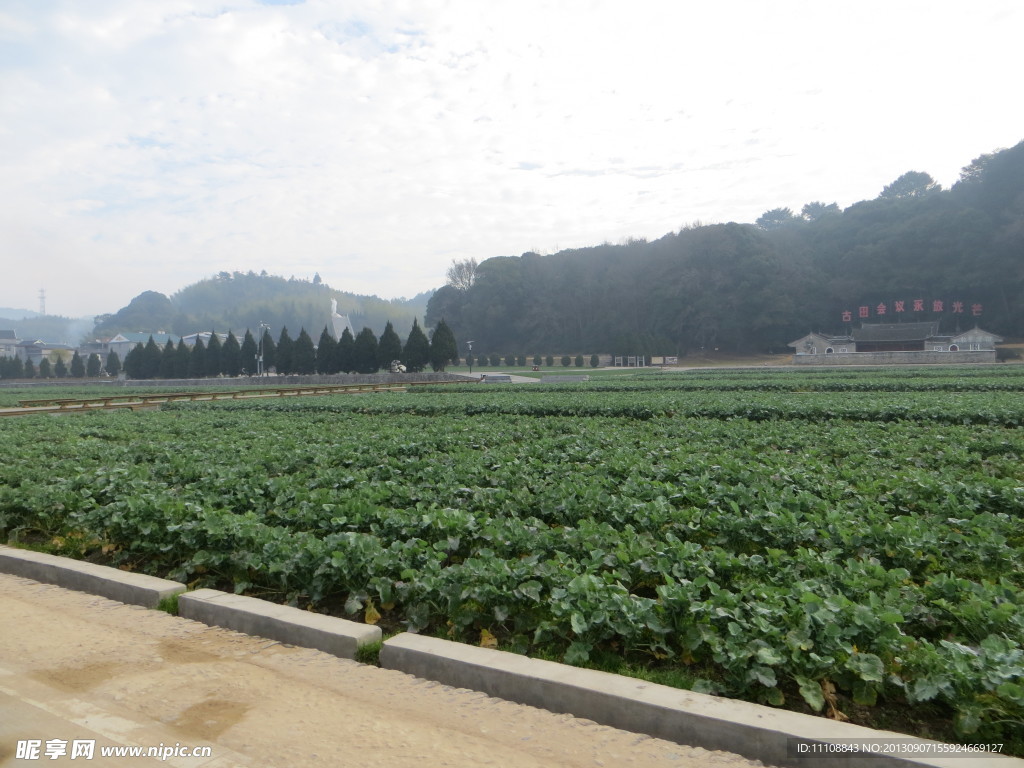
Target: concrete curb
x,y
123,586
754,731
283,623
758,732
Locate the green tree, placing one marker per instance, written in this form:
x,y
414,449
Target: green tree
x,y
133,362
269,351
167,360
389,347
93,366
231,356
283,355
416,353
364,352
151,354
182,360
60,368
776,218
443,348
346,352
247,355
77,366
303,354
594,361
537,360
549,360
566,360
579,361
113,364
817,211
213,356
45,370
29,369
326,353
197,360
494,360
910,184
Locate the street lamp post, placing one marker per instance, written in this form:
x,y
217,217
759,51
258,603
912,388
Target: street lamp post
x,y
259,353
470,345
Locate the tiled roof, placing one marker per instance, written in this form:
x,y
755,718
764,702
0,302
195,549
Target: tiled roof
x,y
896,331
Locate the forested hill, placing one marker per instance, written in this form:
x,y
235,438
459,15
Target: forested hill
x,y
755,287
237,300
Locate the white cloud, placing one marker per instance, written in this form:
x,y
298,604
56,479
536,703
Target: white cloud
x,y
147,145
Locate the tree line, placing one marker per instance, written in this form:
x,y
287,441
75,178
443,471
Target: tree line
x,y
362,353
756,287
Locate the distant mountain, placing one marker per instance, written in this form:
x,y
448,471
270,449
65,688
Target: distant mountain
x,y
6,314
243,300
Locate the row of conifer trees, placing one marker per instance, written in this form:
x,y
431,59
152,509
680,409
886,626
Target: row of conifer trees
x,y
362,353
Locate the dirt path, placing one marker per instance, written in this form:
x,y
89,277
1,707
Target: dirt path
x,y
75,666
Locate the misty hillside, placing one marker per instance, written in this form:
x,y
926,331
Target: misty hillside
x,y
916,252
236,301
53,328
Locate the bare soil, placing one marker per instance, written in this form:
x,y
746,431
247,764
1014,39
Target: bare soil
x,y
77,666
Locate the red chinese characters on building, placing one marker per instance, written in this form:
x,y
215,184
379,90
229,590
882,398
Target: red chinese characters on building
x,y
847,316
958,307
880,309
937,305
863,311
976,310
898,306
919,305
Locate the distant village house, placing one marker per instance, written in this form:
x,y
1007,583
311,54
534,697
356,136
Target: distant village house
x,y
896,344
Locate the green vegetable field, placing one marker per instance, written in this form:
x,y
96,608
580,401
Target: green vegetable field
x,y
843,542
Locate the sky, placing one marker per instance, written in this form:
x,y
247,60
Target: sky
x,y
149,145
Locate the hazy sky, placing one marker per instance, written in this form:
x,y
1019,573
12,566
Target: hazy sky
x,y
148,144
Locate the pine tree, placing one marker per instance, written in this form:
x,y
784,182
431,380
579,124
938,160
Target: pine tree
x,y
77,366
443,348
345,352
389,347
182,360
303,354
364,352
247,356
283,357
197,360
29,370
45,371
326,353
60,369
92,366
213,356
416,353
133,362
150,365
231,356
167,360
113,365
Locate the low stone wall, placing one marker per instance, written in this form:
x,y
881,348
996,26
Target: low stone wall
x,y
251,381
898,358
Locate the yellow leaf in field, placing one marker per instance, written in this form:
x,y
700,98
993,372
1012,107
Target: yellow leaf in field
x,y
487,640
828,690
388,606
371,616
